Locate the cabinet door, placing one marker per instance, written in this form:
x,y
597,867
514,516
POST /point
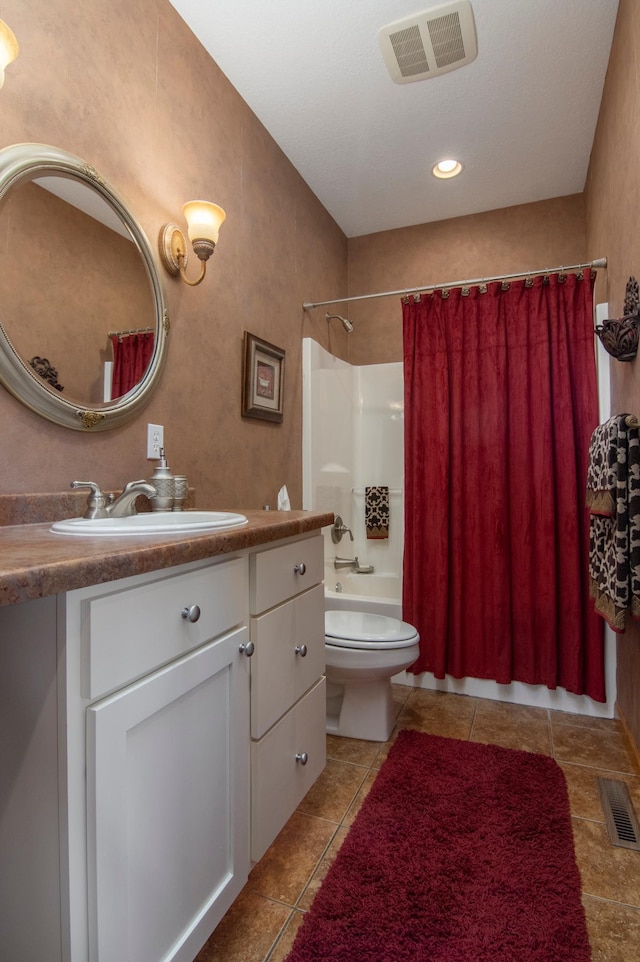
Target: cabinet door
x,y
168,806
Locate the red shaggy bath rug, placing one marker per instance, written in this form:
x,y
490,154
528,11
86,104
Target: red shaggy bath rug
x,y
461,853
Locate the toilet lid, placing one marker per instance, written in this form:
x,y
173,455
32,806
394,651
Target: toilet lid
x,y
358,626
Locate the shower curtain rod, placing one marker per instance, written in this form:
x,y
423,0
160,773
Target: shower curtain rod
x,y
599,262
134,330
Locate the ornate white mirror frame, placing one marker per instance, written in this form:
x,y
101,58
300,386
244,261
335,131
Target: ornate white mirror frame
x,y
22,163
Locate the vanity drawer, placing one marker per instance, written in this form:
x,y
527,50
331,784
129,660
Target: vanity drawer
x,y
279,780
289,656
126,633
280,573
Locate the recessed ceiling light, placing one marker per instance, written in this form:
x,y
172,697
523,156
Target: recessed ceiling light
x,y
447,168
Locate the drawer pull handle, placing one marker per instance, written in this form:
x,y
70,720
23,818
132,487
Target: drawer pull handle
x,y
247,649
192,613
301,650
300,569
302,757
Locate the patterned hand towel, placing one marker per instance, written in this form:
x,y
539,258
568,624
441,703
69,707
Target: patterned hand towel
x,y
601,472
613,497
376,511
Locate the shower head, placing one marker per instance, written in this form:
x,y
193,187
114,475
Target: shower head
x,y
348,326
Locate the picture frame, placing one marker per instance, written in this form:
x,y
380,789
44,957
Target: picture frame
x,y
262,379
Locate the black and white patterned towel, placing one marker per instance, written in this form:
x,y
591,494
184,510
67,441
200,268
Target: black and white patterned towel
x,y
376,511
613,498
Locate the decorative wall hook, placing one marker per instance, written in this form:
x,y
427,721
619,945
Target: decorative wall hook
x,y
619,336
46,370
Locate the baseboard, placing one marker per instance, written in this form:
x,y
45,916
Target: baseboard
x,y
633,748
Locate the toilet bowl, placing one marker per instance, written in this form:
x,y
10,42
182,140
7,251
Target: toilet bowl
x,y
363,652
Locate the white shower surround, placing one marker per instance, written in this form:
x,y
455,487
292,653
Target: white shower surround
x,y
353,436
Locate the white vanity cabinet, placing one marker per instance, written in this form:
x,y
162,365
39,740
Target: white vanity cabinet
x,y
157,705
288,699
156,732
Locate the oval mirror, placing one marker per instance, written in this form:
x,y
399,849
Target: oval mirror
x,y
83,321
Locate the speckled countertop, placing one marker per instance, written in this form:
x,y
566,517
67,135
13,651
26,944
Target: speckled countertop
x,y
35,563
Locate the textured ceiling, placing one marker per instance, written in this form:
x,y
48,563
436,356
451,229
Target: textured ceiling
x,y
521,116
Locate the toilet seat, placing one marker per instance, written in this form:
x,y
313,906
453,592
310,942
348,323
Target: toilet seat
x,y
359,629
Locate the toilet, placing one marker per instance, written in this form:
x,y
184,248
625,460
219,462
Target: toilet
x,y
363,652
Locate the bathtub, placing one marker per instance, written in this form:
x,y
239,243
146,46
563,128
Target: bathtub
x,y
379,594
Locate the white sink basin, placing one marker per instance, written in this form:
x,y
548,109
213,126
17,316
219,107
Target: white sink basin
x,y
153,522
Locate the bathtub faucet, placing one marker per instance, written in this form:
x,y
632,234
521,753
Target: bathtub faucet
x,y
339,563
354,564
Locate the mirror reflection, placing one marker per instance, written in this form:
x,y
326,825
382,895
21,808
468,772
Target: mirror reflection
x,y
71,276
83,322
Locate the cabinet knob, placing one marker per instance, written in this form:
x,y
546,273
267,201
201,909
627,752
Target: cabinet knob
x,y
301,650
247,649
300,569
302,757
192,613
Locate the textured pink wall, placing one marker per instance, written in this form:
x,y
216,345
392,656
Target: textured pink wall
x,y
129,89
612,204
148,107
547,234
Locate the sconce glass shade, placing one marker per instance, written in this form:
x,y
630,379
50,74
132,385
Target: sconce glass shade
x,y
203,220
8,48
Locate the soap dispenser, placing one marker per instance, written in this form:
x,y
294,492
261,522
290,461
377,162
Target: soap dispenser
x,y
163,481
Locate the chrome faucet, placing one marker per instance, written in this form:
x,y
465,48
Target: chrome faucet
x,y
122,507
125,505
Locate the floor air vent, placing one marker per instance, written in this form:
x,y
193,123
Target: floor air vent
x,y
619,814
429,43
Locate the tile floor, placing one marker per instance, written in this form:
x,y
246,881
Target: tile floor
x,y
262,923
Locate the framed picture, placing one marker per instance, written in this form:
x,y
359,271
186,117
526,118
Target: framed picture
x,y
262,380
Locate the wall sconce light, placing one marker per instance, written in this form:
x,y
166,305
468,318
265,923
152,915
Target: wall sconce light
x,y
8,48
203,222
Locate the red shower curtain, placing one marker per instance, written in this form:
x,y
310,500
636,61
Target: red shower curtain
x,y
500,405
131,357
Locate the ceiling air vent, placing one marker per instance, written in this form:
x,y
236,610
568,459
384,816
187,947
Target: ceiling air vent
x,y
429,43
